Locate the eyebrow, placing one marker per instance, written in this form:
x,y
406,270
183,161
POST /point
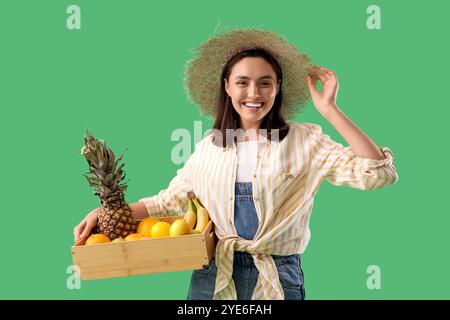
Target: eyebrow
x,y
244,77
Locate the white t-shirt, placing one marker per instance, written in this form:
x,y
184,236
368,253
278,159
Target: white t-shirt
x,y
247,152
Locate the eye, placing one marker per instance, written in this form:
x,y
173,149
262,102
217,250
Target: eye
x,y
266,84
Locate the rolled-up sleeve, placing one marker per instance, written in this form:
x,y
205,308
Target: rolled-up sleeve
x,y
341,167
173,200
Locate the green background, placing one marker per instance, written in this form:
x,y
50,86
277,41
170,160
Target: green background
x,y
120,76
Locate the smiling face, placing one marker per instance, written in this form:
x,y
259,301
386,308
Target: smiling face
x,y
252,86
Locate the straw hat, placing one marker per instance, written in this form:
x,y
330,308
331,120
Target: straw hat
x,y
202,74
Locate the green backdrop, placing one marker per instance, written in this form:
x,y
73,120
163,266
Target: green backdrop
x,y
120,76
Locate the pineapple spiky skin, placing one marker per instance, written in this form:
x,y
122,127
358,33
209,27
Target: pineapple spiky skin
x,y
115,223
116,217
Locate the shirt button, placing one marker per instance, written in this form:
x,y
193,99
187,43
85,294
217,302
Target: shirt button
x,y
254,176
255,198
231,198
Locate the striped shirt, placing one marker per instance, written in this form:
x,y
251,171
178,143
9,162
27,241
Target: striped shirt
x,y
285,180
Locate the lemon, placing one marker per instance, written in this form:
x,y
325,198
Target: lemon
x,y
179,227
160,229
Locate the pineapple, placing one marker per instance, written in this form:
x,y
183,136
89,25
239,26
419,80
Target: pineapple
x,y
116,218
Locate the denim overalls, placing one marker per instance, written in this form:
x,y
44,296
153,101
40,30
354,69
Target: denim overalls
x,y
245,273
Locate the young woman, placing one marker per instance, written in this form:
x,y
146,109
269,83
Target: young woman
x,y
256,174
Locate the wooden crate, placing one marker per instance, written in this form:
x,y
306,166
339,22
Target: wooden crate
x,y
187,252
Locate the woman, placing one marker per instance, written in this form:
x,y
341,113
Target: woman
x,y
256,174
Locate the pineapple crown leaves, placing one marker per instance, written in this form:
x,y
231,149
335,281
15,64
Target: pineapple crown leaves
x,y
103,166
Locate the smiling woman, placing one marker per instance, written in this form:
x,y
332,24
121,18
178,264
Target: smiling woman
x,y
248,80
250,95
252,86
252,79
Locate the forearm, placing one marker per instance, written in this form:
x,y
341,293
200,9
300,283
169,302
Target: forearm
x,y
139,210
358,141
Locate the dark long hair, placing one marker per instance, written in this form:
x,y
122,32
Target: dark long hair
x,y
227,118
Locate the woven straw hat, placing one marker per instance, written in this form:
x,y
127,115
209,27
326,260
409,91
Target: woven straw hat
x,y
202,74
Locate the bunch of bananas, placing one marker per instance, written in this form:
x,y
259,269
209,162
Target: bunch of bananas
x,y
196,216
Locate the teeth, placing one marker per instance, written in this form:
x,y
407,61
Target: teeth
x,y
253,105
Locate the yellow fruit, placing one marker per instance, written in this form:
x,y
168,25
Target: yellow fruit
x,y
145,226
120,239
134,237
97,238
179,227
202,216
160,229
191,215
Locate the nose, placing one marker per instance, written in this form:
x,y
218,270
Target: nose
x,y
253,91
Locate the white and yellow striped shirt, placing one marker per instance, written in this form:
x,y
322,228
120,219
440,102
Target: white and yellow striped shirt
x,y
286,178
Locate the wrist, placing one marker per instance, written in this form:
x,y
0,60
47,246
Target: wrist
x,y
331,111
139,210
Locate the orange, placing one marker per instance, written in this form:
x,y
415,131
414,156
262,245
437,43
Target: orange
x,y
134,237
97,238
145,226
160,229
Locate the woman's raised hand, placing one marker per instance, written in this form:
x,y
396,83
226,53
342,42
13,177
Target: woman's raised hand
x,y
324,100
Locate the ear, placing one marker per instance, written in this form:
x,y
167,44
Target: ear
x,y
226,86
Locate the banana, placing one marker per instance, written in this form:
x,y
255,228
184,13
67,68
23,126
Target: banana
x,y
191,215
202,216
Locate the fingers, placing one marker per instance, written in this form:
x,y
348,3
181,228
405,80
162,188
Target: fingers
x,y
86,231
311,83
315,68
331,74
316,73
322,78
83,229
322,73
78,230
